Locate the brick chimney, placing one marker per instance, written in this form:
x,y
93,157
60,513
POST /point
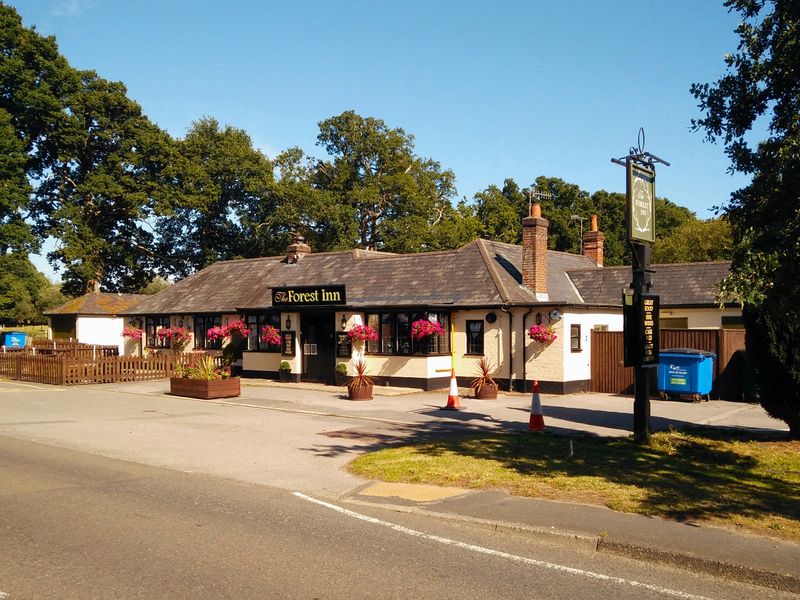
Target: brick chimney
x,y
297,249
593,243
534,252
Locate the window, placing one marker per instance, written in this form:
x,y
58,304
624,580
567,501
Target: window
x,y
603,327
202,323
732,323
575,338
256,323
673,323
394,334
475,337
151,326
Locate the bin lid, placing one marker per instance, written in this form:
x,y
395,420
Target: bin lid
x,y
687,351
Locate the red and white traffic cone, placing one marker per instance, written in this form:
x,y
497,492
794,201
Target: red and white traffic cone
x,y
537,418
452,397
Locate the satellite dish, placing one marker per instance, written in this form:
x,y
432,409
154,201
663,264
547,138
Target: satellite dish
x,y
555,314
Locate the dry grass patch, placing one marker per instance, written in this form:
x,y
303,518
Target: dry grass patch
x,y
713,476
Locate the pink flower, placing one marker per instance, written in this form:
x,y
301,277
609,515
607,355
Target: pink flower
x,y
132,333
542,334
423,328
362,333
270,335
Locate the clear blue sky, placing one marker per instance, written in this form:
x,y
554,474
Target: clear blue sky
x,y
489,89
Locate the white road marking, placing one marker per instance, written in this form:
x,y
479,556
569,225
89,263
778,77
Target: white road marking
x,y
506,555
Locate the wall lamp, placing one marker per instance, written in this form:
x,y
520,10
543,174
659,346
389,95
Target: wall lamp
x,y
343,322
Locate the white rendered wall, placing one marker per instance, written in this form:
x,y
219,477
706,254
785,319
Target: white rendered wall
x,y
106,331
576,364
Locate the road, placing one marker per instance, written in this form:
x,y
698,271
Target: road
x,y
76,524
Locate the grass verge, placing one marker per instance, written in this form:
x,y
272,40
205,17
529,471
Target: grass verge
x,y
712,476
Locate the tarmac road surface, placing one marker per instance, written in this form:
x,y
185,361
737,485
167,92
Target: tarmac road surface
x,y
79,525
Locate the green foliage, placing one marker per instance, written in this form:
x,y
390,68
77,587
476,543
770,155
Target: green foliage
x,y
400,201
285,366
341,369
499,213
158,284
34,80
21,289
761,85
204,369
220,178
695,241
106,160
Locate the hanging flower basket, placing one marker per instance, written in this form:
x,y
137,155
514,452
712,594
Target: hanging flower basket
x,y
215,333
362,333
239,327
542,334
423,328
132,333
270,335
178,336
218,333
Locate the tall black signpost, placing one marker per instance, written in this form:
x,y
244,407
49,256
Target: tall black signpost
x,y
640,307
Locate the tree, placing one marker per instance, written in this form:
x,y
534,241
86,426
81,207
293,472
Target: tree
x,y
104,169
761,85
221,178
20,286
296,204
498,211
401,201
695,241
34,83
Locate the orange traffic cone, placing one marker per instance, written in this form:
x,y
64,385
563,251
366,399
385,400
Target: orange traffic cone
x,y
537,418
452,396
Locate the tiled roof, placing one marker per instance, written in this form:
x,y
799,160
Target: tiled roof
x,y
680,284
98,303
481,273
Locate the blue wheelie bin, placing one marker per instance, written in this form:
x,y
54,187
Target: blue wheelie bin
x,y
685,371
14,339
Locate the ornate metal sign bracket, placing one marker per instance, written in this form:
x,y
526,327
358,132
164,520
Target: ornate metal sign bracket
x,y
638,154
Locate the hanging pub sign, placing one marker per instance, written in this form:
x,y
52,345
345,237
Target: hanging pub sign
x,y
640,314
309,295
641,197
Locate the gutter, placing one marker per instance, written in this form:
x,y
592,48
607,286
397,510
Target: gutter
x,y
510,347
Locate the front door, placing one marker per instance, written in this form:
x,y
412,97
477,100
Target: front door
x,y
317,335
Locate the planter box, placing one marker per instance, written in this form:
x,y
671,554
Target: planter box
x,y
206,390
361,392
486,392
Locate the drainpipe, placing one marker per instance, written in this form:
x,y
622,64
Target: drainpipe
x,y
504,308
524,350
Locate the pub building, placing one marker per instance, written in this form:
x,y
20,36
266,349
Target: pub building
x,y
485,295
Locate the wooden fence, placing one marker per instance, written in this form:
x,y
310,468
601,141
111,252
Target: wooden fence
x,y
610,376
74,349
71,370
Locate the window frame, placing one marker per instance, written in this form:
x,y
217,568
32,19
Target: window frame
x,y
575,335
151,326
201,341
256,321
396,325
471,349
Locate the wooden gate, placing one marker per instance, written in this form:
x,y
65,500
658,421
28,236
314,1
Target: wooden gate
x,y
610,376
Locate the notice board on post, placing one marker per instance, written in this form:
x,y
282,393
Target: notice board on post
x,y
640,314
